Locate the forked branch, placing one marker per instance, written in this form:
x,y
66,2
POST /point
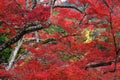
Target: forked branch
x,y
27,29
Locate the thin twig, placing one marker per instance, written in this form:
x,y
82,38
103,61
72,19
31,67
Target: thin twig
x,y
114,42
113,35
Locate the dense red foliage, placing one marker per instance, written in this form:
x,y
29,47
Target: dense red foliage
x,y
71,56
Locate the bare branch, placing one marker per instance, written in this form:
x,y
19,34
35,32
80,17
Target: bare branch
x,y
114,42
34,28
27,3
13,54
99,64
37,36
34,3
73,7
104,1
19,35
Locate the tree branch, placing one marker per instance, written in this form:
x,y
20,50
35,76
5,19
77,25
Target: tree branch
x,y
21,33
34,28
13,54
104,1
73,7
113,35
99,64
114,42
17,37
34,3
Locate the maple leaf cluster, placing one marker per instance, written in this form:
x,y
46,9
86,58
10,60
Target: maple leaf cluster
x,y
86,48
